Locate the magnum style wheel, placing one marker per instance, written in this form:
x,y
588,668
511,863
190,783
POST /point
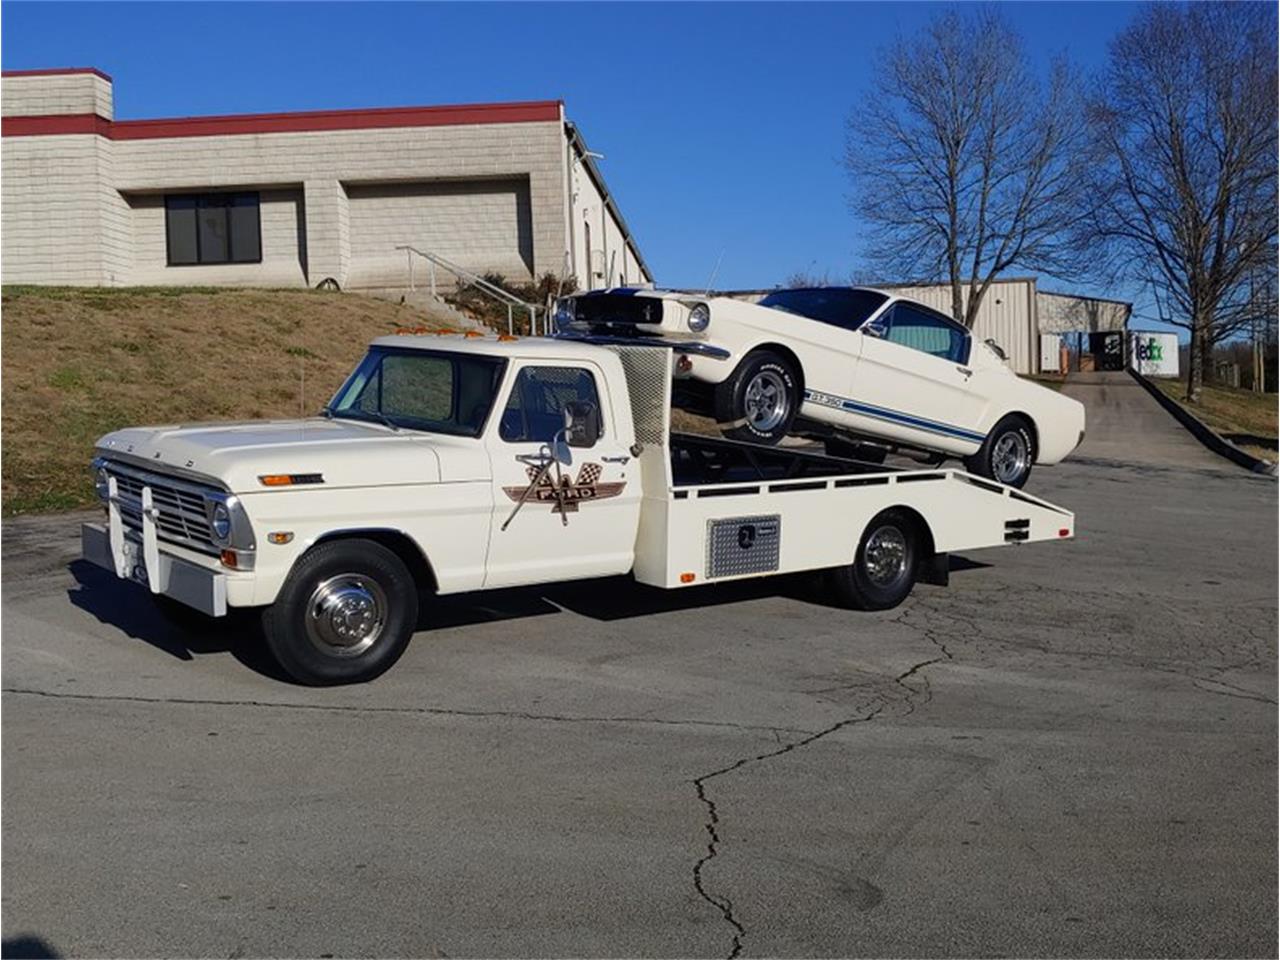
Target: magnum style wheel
x,y
1007,454
758,402
345,614
884,568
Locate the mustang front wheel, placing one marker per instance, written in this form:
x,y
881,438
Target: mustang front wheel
x,y
759,400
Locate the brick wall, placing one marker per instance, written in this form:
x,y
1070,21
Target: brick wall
x,y
56,94
482,225
51,199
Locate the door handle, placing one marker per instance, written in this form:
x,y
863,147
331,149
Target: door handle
x,y
621,460
965,370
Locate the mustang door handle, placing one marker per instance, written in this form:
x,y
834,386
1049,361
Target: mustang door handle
x,y
621,460
966,371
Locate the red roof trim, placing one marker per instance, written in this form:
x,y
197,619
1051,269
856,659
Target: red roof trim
x,y
52,125
56,72
259,123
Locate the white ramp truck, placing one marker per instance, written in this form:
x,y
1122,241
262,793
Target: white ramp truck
x,y
448,464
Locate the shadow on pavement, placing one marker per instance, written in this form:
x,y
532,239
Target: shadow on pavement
x,y
185,635
26,948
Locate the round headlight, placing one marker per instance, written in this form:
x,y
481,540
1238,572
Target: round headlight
x,y
564,315
221,522
699,317
101,482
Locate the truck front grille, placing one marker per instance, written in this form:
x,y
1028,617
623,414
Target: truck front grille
x,y
182,514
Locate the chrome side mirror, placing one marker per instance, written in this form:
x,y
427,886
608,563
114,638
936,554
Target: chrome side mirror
x,y
871,330
996,349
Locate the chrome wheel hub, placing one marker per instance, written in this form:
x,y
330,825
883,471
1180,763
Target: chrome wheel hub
x,y
885,558
346,614
1009,457
766,401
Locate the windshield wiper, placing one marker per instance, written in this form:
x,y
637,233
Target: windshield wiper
x,y
330,414
385,419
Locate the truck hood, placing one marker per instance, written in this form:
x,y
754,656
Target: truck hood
x,y
346,453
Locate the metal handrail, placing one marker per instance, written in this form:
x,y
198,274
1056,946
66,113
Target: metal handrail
x,y
492,290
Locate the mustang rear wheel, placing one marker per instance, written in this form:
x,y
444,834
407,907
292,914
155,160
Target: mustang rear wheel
x,y
344,615
1007,454
759,400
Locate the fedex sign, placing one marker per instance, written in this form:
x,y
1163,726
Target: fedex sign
x,y
1154,354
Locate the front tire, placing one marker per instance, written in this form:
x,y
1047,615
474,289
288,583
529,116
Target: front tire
x,y
759,401
884,568
1007,454
344,615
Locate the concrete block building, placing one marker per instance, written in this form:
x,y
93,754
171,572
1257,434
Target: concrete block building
x,y
296,199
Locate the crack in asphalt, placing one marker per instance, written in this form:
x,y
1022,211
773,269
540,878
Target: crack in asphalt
x,y
722,902
412,711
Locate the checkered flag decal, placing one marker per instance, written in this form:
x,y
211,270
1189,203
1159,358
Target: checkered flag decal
x,y
589,474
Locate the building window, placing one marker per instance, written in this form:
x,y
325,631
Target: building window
x,y
212,228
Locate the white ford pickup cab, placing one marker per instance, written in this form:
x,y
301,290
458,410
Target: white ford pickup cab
x,y
447,464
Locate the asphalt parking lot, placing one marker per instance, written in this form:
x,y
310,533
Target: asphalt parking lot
x,y
1069,751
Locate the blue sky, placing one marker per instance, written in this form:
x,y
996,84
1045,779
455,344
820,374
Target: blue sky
x,y
722,123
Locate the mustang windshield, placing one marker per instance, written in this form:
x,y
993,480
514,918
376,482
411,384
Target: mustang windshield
x,y
838,306
439,392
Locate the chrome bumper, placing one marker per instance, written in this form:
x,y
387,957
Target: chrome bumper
x,y
138,558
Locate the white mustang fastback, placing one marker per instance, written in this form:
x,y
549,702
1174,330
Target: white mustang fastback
x,y
843,364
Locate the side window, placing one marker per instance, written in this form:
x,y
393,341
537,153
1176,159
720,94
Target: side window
x,y
928,333
535,409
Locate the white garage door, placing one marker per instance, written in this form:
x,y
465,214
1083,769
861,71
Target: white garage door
x,y
483,225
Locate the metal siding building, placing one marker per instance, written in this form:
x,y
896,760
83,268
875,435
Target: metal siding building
x,y
324,195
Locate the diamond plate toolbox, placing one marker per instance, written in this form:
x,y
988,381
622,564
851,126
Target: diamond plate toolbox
x,y
738,545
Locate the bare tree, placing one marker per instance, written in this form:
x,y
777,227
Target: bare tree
x,y
962,163
1184,164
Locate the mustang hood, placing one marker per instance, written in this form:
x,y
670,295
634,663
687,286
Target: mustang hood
x,y
346,453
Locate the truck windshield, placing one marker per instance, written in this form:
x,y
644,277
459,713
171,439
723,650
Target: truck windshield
x,y
434,391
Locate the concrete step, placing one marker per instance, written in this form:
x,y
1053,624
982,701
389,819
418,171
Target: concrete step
x,y
435,308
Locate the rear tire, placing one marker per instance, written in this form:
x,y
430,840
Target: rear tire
x,y
759,400
884,568
1007,454
344,615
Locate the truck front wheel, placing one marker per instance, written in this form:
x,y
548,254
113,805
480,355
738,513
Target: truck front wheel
x,y
884,568
345,614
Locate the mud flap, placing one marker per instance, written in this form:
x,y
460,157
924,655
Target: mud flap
x,y
935,569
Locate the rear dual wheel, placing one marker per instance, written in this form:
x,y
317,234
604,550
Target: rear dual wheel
x,y
884,568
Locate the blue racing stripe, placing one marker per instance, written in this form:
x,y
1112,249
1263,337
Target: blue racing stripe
x,y
905,419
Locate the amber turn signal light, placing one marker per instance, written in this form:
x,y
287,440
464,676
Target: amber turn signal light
x,y
687,578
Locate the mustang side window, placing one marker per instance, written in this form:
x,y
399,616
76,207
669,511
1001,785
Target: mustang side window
x,y
535,410
928,333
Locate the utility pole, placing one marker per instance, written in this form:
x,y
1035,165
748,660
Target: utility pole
x,y
1256,330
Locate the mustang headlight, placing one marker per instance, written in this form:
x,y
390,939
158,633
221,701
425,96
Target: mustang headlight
x,y
699,317
564,315
220,523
